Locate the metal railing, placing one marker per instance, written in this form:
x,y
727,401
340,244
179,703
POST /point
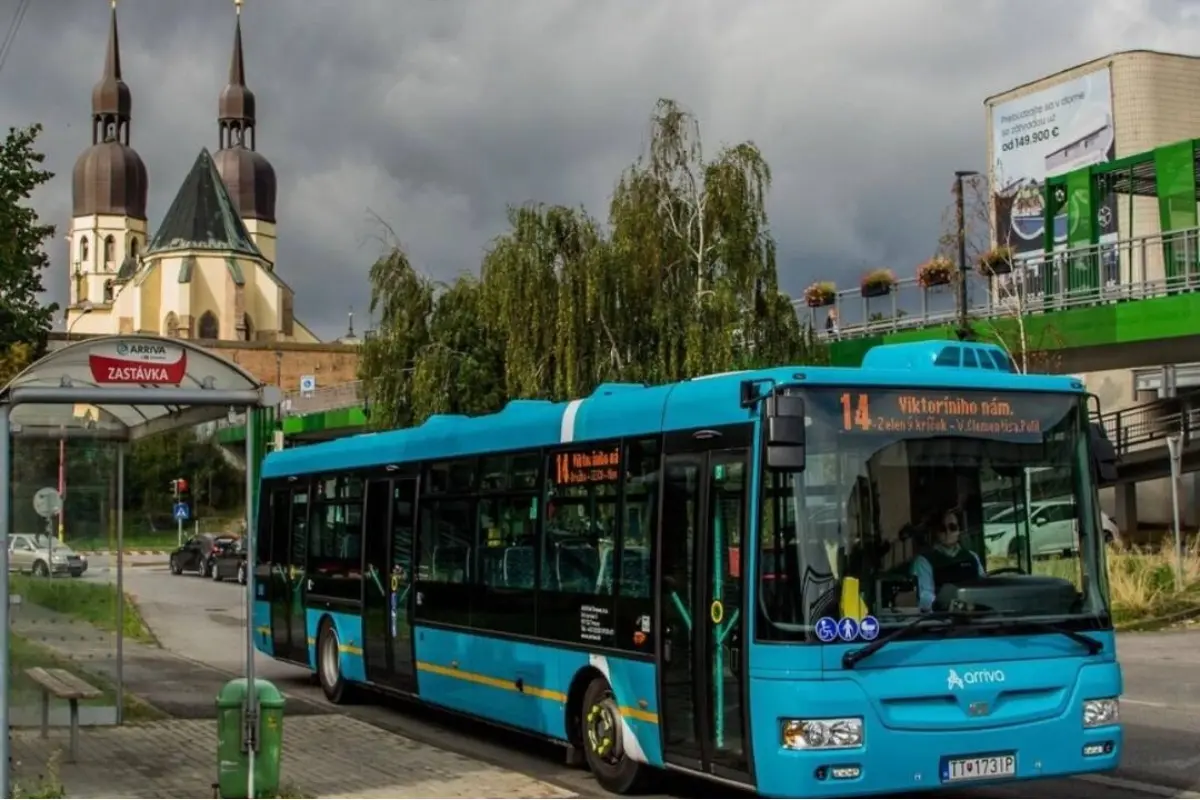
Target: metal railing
x,y
1128,269
1146,426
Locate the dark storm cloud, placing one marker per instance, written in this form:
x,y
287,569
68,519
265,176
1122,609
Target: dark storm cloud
x,y
435,115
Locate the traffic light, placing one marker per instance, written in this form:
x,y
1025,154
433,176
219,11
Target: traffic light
x,y
179,486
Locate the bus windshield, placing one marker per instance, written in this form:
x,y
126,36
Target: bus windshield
x,y
932,500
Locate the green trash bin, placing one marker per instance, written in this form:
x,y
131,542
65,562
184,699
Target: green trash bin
x,y
233,761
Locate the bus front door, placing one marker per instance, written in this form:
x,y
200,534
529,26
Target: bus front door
x,y
703,523
387,625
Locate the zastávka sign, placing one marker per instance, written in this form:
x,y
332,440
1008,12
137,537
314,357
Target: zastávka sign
x,y
138,362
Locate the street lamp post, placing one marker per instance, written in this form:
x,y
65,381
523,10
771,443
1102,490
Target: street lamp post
x,y
964,330
84,308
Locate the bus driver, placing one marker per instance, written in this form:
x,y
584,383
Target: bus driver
x,y
944,561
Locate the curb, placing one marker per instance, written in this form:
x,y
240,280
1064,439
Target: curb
x,y
127,552
1165,619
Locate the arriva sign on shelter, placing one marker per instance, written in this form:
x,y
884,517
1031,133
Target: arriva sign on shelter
x,y
126,362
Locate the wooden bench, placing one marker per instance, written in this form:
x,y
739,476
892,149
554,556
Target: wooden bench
x,y
65,686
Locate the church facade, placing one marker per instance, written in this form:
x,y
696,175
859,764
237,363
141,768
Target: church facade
x,y
208,270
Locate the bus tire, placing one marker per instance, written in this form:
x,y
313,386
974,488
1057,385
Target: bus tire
x,y
329,665
601,736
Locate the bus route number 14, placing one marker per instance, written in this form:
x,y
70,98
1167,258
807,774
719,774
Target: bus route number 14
x,y
856,412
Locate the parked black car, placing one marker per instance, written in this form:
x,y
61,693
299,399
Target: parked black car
x,y
230,562
198,553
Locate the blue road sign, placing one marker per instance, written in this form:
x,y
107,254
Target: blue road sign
x,y
868,628
181,511
826,629
848,629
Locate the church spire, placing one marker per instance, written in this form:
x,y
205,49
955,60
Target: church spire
x,y
249,176
112,102
235,112
109,177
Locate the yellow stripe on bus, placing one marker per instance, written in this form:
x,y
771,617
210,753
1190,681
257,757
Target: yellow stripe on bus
x,y
508,685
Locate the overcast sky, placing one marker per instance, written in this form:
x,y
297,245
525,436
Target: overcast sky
x,y
435,115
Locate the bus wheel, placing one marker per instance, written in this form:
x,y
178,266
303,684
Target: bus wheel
x,y
603,745
329,665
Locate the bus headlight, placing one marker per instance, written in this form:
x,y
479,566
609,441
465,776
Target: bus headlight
x,y
822,734
1105,711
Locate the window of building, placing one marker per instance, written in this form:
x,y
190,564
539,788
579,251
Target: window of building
x,y
83,251
208,327
110,246
108,291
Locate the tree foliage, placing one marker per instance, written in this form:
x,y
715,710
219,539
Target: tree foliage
x,y
681,282
24,319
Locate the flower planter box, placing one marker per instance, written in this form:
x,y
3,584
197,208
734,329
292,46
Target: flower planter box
x,y
820,295
998,261
877,290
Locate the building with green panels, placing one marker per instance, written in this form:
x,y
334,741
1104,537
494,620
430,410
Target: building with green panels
x,y
1100,301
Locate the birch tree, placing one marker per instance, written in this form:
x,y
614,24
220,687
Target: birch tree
x,y
990,254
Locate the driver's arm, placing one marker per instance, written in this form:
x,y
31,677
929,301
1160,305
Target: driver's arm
x,y
979,563
922,570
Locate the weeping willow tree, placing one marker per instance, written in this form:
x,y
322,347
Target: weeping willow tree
x,y
682,283
402,301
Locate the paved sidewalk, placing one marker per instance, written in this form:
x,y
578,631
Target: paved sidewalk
x,y
175,685
328,755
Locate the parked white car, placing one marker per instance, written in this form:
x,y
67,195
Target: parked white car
x,y
1051,526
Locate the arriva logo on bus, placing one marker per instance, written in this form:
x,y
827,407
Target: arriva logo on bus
x,y
955,680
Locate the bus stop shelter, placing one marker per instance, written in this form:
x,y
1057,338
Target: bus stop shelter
x,y
121,389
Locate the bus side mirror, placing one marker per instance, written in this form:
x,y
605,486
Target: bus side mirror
x,y
785,433
1103,452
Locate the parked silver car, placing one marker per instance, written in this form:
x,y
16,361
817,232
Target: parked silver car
x,y
43,555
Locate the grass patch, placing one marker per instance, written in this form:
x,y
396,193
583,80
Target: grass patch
x,y
1142,582
45,785
24,654
93,603
159,540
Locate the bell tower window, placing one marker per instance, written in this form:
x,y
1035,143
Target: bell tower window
x,y
83,252
110,245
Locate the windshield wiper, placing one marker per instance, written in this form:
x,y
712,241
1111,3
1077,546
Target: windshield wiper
x,y
1093,645
852,657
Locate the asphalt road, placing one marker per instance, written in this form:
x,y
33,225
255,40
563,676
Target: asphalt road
x,y
202,620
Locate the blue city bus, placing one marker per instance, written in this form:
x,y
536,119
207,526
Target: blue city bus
x,y
779,579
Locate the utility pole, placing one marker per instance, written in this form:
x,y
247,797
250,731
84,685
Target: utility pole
x,y
964,326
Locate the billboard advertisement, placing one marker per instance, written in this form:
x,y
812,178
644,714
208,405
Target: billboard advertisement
x,y
1041,135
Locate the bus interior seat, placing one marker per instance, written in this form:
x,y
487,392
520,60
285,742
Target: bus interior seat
x,y
518,567
450,563
578,567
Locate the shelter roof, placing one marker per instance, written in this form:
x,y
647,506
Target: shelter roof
x,y
182,385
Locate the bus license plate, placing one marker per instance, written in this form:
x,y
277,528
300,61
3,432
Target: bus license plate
x,y
979,768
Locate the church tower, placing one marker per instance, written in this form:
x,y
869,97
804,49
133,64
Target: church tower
x,y
249,177
109,188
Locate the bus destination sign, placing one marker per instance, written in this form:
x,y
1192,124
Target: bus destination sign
x,y
587,466
891,411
